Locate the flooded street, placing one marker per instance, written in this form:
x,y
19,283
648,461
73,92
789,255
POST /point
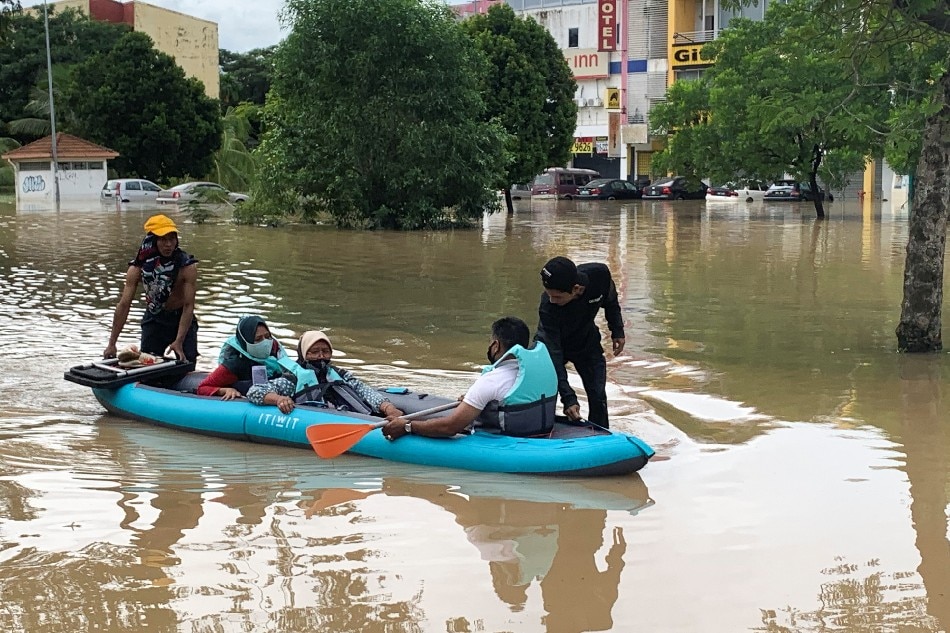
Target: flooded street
x,y
802,476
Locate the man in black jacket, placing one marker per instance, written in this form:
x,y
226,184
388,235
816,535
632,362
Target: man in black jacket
x,y
572,297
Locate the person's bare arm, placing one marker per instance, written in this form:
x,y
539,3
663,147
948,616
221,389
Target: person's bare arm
x,y
188,277
132,277
447,426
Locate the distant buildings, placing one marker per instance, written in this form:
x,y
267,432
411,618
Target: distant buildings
x,y
624,55
193,42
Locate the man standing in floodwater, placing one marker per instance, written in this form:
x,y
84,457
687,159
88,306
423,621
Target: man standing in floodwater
x,y
572,297
170,278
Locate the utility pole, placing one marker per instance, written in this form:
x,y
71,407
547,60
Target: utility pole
x,y
52,109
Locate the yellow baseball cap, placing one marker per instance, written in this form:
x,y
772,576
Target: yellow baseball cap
x,y
160,225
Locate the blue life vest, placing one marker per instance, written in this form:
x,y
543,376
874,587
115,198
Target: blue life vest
x,y
529,406
276,366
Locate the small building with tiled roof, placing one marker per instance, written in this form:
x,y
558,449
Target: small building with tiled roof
x,y
82,168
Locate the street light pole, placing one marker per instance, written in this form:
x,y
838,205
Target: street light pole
x,y
52,109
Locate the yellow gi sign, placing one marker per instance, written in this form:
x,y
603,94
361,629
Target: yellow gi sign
x,y
613,99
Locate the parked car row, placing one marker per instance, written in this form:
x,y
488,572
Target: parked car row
x,y
585,184
780,190
145,191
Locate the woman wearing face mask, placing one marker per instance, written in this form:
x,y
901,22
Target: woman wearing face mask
x,y
314,352
251,346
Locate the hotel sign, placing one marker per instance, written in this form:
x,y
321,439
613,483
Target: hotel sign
x,y
587,63
607,25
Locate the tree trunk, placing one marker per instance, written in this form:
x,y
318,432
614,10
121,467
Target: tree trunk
x,y
509,205
919,327
816,156
819,204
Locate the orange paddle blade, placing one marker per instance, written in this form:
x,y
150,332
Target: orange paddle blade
x,y
330,440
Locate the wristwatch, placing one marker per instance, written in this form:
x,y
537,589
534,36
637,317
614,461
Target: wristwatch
x,y
408,428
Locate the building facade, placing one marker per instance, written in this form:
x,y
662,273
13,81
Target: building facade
x,y
659,42
193,42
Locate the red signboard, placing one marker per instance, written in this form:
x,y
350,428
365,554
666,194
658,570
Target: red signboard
x,y
607,25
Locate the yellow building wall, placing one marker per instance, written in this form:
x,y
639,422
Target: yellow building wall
x,y
82,5
191,41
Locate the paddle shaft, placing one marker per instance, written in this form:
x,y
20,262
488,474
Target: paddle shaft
x,y
418,414
334,439
425,412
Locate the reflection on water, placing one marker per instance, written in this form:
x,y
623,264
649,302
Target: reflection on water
x,y
802,479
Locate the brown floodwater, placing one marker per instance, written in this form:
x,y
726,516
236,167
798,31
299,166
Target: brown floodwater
x,y
802,478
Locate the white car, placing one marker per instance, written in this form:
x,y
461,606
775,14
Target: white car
x,y
737,192
129,190
188,191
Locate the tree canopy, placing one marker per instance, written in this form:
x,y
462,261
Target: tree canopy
x,y
137,101
375,116
245,77
7,9
528,89
73,38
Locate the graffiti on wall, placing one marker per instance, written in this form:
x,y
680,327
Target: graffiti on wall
x,y
33,184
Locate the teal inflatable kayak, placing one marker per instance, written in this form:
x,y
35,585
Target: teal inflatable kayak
x,y
570,450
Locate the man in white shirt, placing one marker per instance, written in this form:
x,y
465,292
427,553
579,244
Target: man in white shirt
x,y
492,386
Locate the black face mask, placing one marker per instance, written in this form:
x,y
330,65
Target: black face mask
x,y
319,366
491,361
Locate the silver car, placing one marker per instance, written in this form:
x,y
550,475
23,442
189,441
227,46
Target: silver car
x,y
197,191
129,190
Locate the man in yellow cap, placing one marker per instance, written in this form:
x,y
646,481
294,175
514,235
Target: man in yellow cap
x,y
170,278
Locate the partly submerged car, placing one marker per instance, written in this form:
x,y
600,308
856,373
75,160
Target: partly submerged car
x,y
200,192
792,190
608,189
675,188
129,190
736,192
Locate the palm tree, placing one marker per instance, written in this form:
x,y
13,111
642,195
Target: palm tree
x,y
234,165
6,169
36,123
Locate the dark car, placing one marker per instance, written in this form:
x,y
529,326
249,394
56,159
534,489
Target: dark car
x,y
791,190
608,189
676,188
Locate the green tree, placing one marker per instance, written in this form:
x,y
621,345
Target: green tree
x,y
137,101
73,38
8,8
778,100
528,89
245,76
234,165
375,116
908,43
35,121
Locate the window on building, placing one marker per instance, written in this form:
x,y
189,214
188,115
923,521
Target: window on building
x,y
34,166
689,75
572,38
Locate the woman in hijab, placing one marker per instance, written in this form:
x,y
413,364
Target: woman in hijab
x,y
314,352
251,346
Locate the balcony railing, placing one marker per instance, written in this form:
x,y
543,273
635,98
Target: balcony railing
x,y
693,37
